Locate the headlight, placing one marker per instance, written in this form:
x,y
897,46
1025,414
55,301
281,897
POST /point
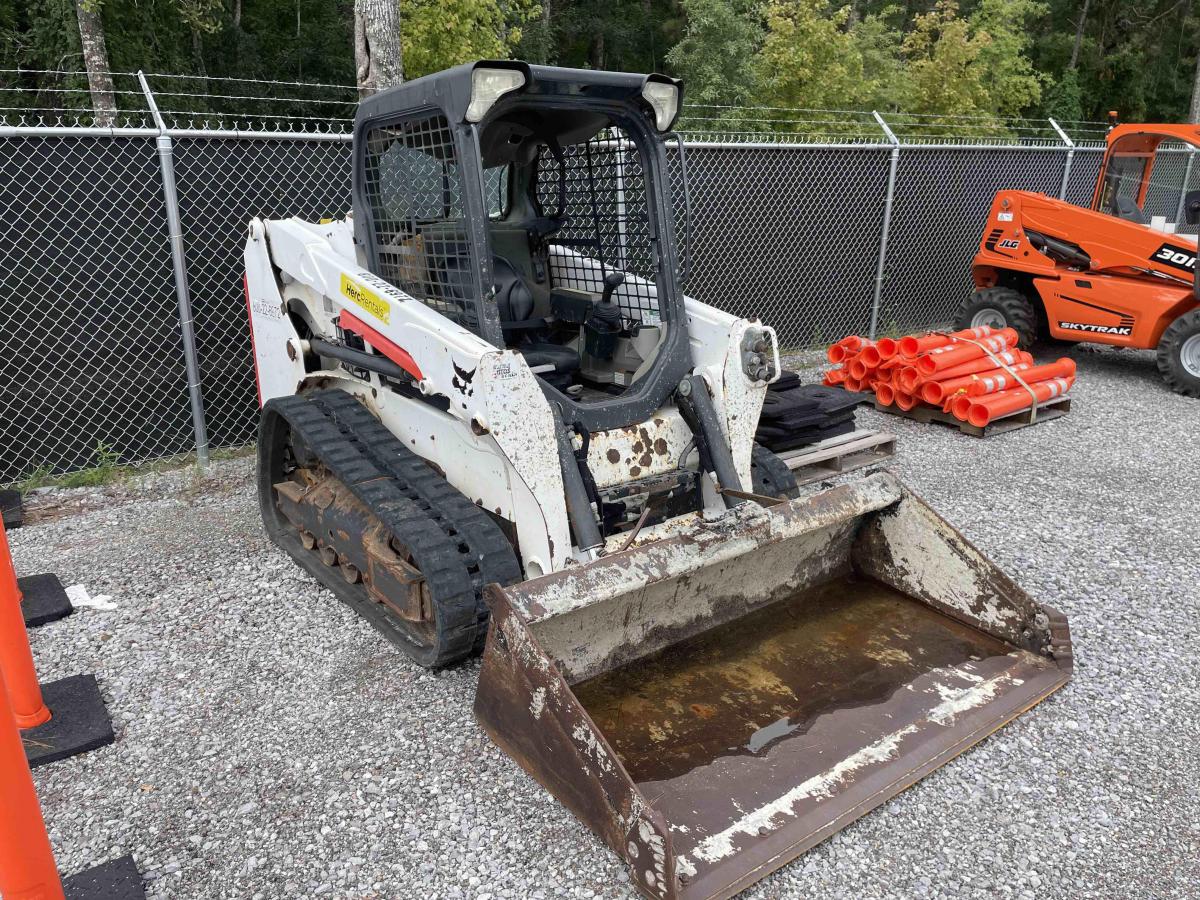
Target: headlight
x,y
664,99
488,86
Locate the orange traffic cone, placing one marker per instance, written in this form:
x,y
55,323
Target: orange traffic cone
x,y
16,659
27,866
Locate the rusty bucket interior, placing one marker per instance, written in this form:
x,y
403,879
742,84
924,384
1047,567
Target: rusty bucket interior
x,y
715,702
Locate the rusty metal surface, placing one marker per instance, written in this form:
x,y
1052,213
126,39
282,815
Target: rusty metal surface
x,y
335,524
767,730
527,708
913,549
743,690
653,447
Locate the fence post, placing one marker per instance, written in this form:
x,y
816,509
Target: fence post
x,y
1062,135
166,159
893,163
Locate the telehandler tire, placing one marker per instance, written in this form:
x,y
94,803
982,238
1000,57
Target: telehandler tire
x,y
1000,307
1179,355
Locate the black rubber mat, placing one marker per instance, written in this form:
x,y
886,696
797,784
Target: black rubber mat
x,y
43,600
117,879
11,508
79,721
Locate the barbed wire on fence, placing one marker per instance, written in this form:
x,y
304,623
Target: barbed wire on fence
x,y
221,103
785,125
186,102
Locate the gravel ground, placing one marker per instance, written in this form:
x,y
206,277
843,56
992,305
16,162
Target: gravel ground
x,y
271,745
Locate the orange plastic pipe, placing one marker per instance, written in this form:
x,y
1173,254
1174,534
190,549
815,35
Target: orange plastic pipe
x,y
871,357
937,391
959,406
885,394
16,659
27,868
858,368
974,333
834,377
983,364
993,406
912,345
941,358
842,349
909,378
994,383
887,347
852,384
905,401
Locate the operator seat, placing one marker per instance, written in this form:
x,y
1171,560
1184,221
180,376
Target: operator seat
x,y
515,304
1127,209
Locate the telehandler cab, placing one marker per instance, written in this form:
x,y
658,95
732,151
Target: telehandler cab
x,y
1119,273
487,400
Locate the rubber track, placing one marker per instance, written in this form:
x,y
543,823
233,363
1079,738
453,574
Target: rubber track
x,y
457,547
771,475
485,551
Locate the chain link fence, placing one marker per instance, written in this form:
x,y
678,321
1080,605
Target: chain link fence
x,y
819,238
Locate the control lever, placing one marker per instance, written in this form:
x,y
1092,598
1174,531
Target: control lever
x,y
612,281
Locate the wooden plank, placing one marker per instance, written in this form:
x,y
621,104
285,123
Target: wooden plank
x,y
836,455
836,446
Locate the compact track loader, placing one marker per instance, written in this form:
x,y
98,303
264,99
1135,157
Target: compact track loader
x,y
487,400
1119,273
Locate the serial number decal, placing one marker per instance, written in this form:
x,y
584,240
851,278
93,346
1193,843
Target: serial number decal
x,y
1004,217
1097,329
1175,257
366,298
266,310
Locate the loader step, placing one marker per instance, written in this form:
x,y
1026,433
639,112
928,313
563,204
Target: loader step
x,y
378,526
1046,412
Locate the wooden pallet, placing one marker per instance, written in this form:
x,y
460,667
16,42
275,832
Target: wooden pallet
x,y
835,455
1046,412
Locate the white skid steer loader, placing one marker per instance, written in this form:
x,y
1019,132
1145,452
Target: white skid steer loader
x,y
486,399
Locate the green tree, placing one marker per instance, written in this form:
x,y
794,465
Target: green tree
x,y
1012,83
818,57
712,57
944,64
879,41
1064,98
437,34
809,58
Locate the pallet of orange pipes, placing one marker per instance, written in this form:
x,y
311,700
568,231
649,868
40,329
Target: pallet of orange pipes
x,y
975,380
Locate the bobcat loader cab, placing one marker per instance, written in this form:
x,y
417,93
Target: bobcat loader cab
x,y
492,421
1120,273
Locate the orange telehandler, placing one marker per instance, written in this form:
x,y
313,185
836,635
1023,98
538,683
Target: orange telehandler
x,y
1117,273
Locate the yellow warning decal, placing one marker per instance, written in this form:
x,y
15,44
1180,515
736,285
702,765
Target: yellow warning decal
x,y
366,298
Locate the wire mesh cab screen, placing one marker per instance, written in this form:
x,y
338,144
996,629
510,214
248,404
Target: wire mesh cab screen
x,y
418,225
607,219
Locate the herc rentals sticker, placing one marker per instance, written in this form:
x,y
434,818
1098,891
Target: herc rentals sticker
x,y
366,298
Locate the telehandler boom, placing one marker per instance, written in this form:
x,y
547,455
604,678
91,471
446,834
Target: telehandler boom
x,y
492,421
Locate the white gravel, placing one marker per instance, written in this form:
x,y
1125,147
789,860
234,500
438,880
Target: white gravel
x,y
271,745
